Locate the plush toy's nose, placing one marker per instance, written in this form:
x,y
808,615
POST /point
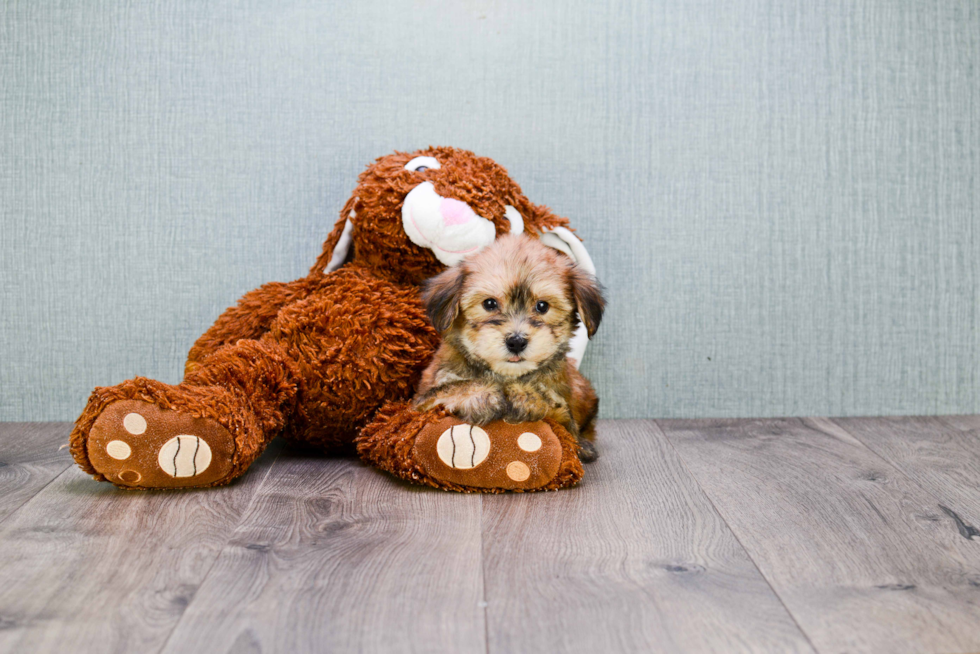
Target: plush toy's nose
x,y
455,212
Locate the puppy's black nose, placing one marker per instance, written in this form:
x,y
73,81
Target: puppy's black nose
x,y
515,343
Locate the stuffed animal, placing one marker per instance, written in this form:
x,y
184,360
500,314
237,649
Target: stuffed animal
x,y
330,360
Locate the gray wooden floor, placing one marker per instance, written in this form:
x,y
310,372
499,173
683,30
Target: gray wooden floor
x,y
856,535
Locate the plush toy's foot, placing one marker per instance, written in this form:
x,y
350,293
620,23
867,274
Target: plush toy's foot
x,y
138,444
143,434
440,450
499,455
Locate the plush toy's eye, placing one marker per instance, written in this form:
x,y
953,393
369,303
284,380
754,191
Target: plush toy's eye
x,y
418,164
490,304
541,306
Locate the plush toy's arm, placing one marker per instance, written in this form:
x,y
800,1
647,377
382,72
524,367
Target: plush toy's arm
x,y
250,318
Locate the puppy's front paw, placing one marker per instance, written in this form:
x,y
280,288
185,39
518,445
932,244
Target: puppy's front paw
x,y
524,405
496,456
481,409
475,403
587,452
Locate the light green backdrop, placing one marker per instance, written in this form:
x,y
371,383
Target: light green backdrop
x,y
781,197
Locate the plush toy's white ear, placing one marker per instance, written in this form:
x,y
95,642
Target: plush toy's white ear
x,y
342,248
563,239
515,218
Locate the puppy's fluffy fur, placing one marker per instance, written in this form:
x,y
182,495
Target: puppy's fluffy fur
x,y
507,315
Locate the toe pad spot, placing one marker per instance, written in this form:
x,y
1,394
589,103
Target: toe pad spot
x,y
118,450
130,476
518,470
134,423
529,442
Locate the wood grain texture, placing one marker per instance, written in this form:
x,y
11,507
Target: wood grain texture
x,y
334,556
941,454
634,559
863,557
727,536
29,460
88,567
969,425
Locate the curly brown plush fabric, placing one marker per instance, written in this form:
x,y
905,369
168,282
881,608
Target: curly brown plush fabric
x,y
316,359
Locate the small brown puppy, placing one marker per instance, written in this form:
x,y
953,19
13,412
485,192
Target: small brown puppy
x,y
507,315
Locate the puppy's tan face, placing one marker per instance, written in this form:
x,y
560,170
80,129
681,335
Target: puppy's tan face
x,y
517,317
514,305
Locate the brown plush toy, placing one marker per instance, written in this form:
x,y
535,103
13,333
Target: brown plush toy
x,y
330,360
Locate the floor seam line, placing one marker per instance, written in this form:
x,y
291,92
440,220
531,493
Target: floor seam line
x,y
221,551
67,467
738,540
483,579
894,466
36,493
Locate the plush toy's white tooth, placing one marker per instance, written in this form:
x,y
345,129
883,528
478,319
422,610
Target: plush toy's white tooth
x,y
463,446
184,456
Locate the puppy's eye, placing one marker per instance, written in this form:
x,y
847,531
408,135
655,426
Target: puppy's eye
x,y
490,304
541,306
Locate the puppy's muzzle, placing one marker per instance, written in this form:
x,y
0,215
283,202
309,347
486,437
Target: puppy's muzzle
x,y
515,343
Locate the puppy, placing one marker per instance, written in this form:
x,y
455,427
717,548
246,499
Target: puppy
x,y
507,315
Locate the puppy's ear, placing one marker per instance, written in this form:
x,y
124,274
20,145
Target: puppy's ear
x,y
442,295
588,298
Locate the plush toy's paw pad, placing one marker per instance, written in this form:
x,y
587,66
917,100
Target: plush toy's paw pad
x,y
499,455
139,445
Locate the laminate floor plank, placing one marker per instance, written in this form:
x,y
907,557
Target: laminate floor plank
x,y
29,460
861,555
91,568
970,425
856,535
634,559
334,556
941,455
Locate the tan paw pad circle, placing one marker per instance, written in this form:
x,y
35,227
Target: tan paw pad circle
x,y
134,423
463,446
130,476
118,450
184,456
518,470
529,442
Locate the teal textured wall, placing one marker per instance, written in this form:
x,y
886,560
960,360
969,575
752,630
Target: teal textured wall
x,y
781,197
